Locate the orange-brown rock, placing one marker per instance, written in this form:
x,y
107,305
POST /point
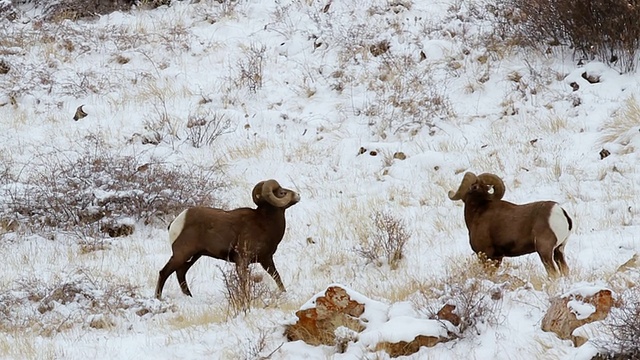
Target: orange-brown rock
x,y
446,313
561,320
403,348
317,325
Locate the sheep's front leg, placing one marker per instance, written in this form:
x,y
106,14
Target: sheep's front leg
x,y
270,268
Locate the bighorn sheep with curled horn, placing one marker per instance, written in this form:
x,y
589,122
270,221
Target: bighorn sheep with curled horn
x,y
241,236
498,228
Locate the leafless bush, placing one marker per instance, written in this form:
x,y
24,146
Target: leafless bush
x,y
60,10
95,187
477,303
476,297
603,29
241,290
228,7
254,347
386,241
624,326
251,67
76,299
405,101
204,129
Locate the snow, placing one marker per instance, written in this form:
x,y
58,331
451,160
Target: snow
x,y
320,96
581,309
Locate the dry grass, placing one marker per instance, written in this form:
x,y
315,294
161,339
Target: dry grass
x,y
23,345
619,128
190,317
249,149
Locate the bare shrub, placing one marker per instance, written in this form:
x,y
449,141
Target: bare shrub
x,y
96,187
60,10
251,67
241,290
405,101
603,29
623,324
473,292
255,348
204,129
385,244
75,299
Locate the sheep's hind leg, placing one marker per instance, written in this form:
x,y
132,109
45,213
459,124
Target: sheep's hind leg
x,y
558,255
549,264
181,274
270,267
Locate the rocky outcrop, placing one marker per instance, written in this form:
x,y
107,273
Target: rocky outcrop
x,y
341,317
574,309
317,325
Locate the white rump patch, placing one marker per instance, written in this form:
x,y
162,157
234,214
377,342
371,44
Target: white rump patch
x,y
176,226
559,225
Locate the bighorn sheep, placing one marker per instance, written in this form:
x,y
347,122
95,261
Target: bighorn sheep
x,y
498,228
241,236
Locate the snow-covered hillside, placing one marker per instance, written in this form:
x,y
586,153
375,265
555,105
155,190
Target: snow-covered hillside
x,y
364,107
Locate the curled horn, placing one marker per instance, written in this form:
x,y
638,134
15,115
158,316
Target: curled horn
x,y
264,191
256,194
498,184
468,179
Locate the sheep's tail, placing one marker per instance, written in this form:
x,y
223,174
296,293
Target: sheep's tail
x,y
561,224
176,226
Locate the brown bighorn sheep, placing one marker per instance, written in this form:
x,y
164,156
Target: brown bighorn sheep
x,y
498,228
241,236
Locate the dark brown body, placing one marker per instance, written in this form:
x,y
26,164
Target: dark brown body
x,y
241,236
530,220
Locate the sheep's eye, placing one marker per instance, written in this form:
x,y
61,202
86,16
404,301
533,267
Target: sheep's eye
x,y
490,189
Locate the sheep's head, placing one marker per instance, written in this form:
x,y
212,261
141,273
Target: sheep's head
x,y
484,186
269,191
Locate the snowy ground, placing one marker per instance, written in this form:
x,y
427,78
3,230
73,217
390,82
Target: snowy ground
x,y
304,92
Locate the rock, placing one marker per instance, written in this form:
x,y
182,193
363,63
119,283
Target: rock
x,y
399,155
317,326
405,335
591,78
403,348
446,313
571,311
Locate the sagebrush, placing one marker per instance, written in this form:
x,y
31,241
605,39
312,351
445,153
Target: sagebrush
x,y
68,190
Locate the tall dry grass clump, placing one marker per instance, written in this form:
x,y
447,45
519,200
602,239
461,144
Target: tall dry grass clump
x,y
623,127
